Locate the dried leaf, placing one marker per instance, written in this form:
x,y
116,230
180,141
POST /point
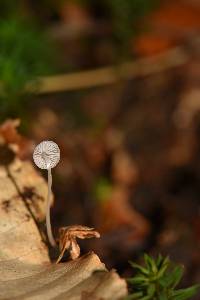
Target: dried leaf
x,y
26,272
152,44
64,281
20,238
117,212
20,144
9,131
68,236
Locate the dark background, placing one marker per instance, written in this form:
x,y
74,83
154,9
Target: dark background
x,y
130,150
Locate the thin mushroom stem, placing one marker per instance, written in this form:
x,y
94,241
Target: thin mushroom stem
x,y
46,156
48,205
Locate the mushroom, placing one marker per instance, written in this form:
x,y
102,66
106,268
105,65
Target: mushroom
x,y
46,156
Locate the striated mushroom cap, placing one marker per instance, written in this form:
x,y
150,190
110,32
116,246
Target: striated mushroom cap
x,y
46,155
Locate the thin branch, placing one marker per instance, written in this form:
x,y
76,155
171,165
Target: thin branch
x,y
112,74
108,75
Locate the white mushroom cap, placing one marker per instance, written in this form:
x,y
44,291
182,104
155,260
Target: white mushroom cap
x,y
46,155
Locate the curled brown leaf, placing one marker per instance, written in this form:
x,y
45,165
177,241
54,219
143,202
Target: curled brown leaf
x,y
68,236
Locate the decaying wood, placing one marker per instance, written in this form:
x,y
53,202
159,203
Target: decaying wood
x,y
25,268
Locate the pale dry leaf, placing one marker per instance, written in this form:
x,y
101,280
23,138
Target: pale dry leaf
x,y
68,236
20,281
19,236
26,272
107,288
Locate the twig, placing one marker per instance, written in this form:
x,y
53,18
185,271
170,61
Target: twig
x,y
109,75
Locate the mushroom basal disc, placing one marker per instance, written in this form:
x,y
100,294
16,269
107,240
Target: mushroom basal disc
x,y
46,155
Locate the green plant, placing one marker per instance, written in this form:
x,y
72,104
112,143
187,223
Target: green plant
x,y
158,280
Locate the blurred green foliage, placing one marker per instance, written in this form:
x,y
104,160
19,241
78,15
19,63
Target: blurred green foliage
x,y
8,7
102,189
124,16
158,279
24,55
